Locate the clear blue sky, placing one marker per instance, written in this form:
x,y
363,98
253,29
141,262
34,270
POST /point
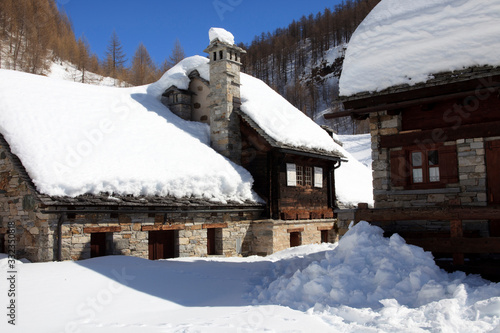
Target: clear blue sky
x,y
158,23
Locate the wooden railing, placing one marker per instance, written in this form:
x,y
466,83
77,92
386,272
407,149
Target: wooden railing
x,y
456,243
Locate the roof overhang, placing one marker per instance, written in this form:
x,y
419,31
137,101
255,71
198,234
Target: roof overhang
x,y
444,86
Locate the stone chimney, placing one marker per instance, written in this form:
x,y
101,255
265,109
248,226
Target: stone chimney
x,y
224,95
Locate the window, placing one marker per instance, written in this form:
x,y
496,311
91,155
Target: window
x,y
101,244
308,176
299,173
318,177
424,166
414,167
291,174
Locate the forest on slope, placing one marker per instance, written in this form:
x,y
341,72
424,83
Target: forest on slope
x,y
35,33
304,60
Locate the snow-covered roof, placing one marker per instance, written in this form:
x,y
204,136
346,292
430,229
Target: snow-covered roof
x,y
406,42
222,35
75,139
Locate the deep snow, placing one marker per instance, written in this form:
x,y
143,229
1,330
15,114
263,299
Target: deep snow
x,y
75,139
364,283
406,41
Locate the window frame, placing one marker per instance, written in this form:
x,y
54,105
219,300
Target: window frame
x,y
425,166
401,168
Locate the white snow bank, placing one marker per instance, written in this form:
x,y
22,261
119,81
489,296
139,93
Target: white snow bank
x,y
374,280
222,35
75,139
281,120
406,41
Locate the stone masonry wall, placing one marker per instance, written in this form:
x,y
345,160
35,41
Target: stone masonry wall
x,y
130,233
18,212
471,189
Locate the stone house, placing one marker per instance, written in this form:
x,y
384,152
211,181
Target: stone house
x,y
435,143
295,184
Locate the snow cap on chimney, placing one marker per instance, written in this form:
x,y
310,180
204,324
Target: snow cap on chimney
x,y
222,35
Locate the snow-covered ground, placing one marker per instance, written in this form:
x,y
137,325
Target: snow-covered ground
x,y
365,283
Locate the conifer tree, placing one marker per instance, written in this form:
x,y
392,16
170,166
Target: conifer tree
x,y
143,70
115,57
177,53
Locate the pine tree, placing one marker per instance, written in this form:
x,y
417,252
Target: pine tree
x,y
115,56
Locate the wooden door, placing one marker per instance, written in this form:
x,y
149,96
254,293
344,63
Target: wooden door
x,y
211,241
324,236
493,179
97,244
295,239
161,244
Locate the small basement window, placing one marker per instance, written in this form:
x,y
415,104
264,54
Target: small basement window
x,y
295,239
101,244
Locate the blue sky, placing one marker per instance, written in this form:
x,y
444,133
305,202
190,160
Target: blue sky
x,y
158,23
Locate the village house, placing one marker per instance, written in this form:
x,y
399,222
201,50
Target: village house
x,y
433,102
286,199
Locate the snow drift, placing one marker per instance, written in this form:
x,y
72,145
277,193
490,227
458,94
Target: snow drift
x,y
387,275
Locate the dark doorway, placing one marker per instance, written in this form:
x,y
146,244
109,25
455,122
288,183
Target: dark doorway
x,y
295,239
493,179
324,236
98,246
2,244
162,244
214,241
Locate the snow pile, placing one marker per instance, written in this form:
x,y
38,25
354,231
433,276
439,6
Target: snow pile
x,y
215,294
406,41
222,35
75,139
388,276
64,70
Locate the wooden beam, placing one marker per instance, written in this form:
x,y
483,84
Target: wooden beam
x,y
428,213
407,103
441,135
157,227
101,229
457,245
214,225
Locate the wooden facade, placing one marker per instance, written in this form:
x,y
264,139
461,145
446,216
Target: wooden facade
x,y
436,154
301,200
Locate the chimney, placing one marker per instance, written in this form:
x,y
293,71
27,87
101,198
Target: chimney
x,y
224,97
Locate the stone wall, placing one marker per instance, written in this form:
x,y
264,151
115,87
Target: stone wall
x,y
469,191
274,235
18,212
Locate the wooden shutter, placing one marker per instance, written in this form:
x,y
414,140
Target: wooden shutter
x,y
399,168
318,177
291,175
448,164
